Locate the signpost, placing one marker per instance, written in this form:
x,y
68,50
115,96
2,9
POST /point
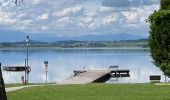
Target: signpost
x,y
2,87
46,68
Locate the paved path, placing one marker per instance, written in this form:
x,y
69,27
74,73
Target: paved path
x,y
10,89
86,77
162,84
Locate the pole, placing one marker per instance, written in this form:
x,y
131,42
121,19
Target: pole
x,y
25,70
2,87
27,58
46,75
165,78
27,64
46,69
84,68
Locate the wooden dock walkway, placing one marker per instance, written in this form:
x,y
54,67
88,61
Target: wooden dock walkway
x,y
94,76
87,77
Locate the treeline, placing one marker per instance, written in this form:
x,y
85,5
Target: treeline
x,y
80,44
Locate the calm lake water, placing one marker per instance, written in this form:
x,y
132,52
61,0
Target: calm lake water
x,y
62,62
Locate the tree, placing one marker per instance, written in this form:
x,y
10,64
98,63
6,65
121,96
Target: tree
x,y
159,39
4,3
2,87
17,2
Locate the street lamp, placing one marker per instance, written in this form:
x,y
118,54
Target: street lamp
x,y
26,70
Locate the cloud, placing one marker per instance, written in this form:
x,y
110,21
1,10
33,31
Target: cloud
x,y
5,18
116,3
3,3
64,20
44,28
109,19
105,9
43,16
128,3
78,17
70,11
36,2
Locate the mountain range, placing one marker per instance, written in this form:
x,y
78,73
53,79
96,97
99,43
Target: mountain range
x,y
17,36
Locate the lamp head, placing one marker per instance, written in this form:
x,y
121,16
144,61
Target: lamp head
x,y
27,39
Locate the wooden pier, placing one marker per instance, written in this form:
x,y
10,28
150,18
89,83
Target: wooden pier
x,y
94,76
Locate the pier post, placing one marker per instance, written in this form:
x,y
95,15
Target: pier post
x,y
2,87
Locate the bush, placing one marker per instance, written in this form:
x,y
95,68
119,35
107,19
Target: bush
x,y
165,4
159,40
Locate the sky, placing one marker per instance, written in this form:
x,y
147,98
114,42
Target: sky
x,y
77,17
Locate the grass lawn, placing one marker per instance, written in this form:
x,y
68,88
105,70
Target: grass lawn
x,y
93,92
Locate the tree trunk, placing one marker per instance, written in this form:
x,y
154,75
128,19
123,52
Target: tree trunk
x,y
2,87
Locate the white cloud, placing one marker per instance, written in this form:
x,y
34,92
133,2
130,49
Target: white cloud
x,y
36,2
6,18
77,17
109,19
90,13
21,15
128,3
44,28
43,16
64,20
70,11
88,20
106,9
4,3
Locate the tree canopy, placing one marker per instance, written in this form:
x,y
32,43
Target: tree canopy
x,y
159,40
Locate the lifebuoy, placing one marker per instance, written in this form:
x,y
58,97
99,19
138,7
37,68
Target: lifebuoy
x,y
28,69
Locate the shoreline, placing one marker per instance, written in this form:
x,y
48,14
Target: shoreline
x,y
59,48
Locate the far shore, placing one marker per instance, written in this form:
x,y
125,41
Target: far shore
x,y
76,48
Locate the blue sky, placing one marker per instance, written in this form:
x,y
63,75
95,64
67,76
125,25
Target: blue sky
x,y
77,17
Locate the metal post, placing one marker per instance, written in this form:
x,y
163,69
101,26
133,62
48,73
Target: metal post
x,y
25,71
27,58
46,69
84,68
2,87
165,78
46,75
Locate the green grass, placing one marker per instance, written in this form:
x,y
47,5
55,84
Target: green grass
x,y
93,92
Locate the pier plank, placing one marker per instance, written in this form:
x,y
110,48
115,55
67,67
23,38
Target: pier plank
x,y
94,76
86,77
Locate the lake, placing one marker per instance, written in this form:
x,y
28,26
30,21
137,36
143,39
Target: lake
x,y
62,62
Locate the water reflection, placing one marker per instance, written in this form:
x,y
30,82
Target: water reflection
x,y
62,62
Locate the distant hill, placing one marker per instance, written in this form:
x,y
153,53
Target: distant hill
x,y
107,37
17,36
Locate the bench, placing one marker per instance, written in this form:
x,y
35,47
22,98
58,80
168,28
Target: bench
x,y
77,72
155,78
